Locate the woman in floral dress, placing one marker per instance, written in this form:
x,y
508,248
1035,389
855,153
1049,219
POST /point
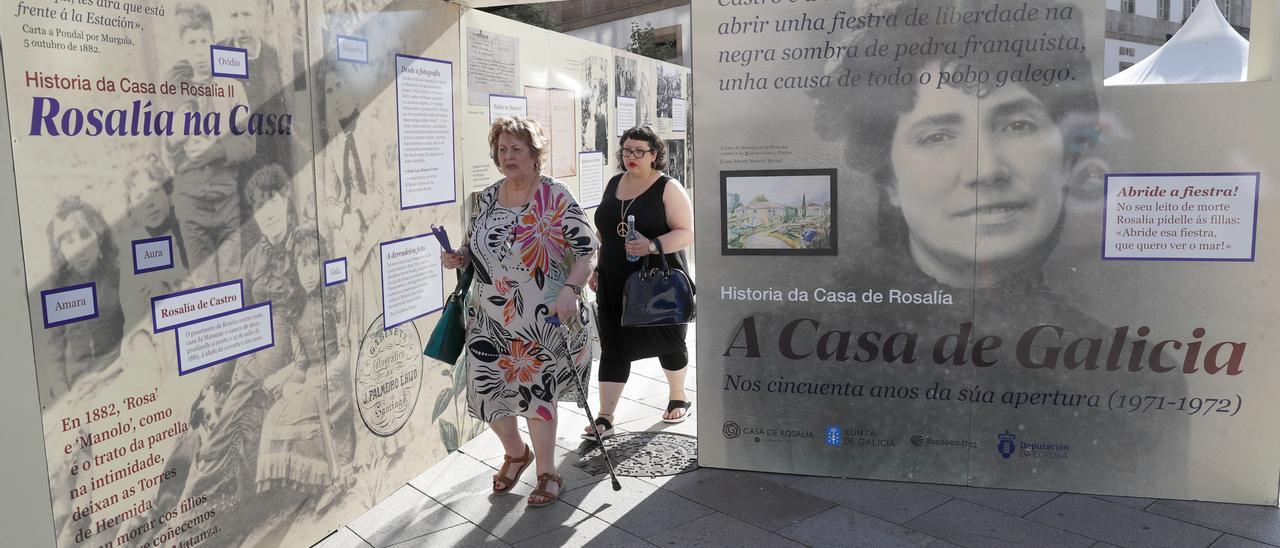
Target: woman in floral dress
x,y
531,246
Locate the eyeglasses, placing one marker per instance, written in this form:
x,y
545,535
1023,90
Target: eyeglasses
x,y
635,153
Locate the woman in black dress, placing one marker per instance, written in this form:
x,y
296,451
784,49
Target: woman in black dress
x,y
662,211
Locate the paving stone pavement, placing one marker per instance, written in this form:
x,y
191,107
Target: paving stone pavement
x,y
449,505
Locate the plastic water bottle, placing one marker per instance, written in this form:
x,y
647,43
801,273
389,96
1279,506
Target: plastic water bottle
x,y
631,235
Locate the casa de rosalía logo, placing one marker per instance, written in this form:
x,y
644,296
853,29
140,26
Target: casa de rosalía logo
x,y
732,430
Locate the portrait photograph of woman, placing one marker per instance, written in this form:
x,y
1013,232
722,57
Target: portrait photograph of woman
x,y
964,177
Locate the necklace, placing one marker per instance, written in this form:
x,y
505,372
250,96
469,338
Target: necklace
x,y
622,219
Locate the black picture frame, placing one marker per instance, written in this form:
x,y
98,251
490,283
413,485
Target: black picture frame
x,y
832,224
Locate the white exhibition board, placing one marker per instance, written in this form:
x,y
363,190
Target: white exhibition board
x,y
626,113
679,115
590,179
412,279
424,118
504,106
1181,217
224,337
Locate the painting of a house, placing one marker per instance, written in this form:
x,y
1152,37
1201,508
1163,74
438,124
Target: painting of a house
x,y
779,212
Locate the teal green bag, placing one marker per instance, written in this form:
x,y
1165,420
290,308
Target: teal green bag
x,y
450,333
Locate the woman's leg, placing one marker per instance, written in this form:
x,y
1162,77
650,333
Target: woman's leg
x,y
674,367
610,393
508,433
613,376
543,433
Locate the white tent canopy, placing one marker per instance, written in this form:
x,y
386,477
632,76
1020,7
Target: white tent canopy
x,y
1206,49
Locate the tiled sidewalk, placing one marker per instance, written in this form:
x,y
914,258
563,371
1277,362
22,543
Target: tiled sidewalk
x,y
450,505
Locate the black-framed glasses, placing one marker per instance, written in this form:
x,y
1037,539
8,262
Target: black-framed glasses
x,y
635,152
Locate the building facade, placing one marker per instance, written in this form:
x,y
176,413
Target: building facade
x,y
1137,28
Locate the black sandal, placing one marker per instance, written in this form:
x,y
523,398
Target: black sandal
x,y
677,404
601,422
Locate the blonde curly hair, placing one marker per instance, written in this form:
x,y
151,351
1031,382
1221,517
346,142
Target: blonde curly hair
x,y
527,130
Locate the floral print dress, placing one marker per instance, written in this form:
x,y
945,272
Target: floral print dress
x,y
516,360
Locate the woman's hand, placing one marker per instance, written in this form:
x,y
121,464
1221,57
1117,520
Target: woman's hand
x,y
638,247
456,259
594,282
566,304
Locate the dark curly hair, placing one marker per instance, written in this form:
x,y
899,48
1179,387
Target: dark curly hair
x,y
865,117
268,180
304,245
648,135
105,269
147,167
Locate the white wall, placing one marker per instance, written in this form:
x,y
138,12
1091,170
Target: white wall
x,y
617,34
26,510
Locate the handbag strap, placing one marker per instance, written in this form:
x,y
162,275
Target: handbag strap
x,y
467,274
662,257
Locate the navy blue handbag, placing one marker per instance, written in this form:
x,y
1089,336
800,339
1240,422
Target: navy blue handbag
x,y
657,295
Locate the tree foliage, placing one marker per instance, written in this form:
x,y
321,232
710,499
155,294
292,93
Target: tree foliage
x,y
529,14
644,41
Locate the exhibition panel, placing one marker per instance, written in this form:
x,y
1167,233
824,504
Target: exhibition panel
x,y
1009,275
183,171
571,86
222,215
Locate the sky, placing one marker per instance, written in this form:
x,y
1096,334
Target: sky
x,y
785,190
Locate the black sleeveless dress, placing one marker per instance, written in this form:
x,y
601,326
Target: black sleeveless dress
x,y
631,343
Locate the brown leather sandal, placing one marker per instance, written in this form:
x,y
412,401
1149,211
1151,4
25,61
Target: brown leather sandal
x,y
507,461
541,491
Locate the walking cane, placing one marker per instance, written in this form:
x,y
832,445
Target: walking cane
x,y
564,335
